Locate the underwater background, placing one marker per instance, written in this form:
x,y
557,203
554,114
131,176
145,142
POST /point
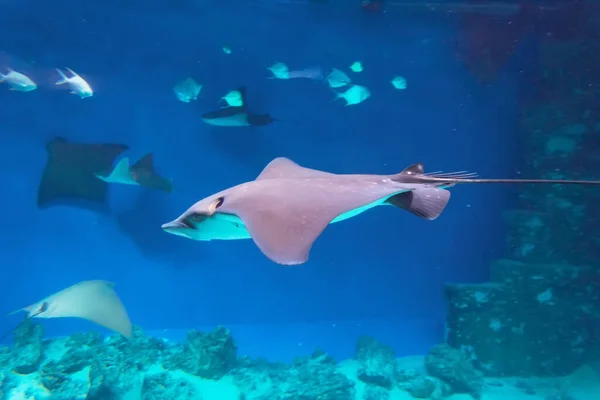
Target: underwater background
x,y
500,293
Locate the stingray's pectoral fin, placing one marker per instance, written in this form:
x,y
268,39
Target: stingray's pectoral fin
x,y
284,236
424,202
102,177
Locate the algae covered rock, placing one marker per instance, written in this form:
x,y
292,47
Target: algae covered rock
x,y
209,355
161,386
314,377
28,349
85,339
2,380
5,357
119,363
66,386
375,393
421,387
377,362
454,367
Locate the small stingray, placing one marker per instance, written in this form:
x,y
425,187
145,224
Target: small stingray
x,y
187,90
338,79
95,301
288,206
141,173
70,172
233,98
236,116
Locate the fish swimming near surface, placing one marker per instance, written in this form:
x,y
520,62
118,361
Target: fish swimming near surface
x,y
95,301
237,116
288,206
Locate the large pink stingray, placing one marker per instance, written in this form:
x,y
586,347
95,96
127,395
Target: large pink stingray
x,y
94,301
287,207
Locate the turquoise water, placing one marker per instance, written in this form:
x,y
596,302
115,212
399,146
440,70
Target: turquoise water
x,y
172,172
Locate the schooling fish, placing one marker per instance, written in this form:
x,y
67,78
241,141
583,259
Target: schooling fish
x,y
281,71
17,81
236,116
288,206
355,95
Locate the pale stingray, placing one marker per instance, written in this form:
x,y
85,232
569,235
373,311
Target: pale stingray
x,y
288,206
141,173
95,301
120,174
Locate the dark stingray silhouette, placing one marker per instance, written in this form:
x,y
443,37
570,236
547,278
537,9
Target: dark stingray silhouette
x,y
288,206
78,174
69,177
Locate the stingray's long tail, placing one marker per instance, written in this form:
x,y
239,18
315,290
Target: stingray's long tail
x,y
415,174
470,178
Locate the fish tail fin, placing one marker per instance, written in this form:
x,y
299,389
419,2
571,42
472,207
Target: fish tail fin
x,y
424,201
2,77
71,71
63,78
336,95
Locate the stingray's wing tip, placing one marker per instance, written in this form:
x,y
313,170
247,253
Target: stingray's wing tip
x,y
291,262
15,311
126,331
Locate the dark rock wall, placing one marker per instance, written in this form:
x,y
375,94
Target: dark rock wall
x,y
540,314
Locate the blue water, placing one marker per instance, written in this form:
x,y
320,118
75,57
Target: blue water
x,y
381,273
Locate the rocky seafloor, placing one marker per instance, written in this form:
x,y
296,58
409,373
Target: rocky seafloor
x,y
206,366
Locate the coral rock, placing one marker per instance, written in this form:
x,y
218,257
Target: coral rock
x,y
453,366
377,362
208,355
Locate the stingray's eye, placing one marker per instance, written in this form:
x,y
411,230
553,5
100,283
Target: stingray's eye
x,y
212,208
43,307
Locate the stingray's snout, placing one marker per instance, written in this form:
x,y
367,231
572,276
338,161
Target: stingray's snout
x,y
178,228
